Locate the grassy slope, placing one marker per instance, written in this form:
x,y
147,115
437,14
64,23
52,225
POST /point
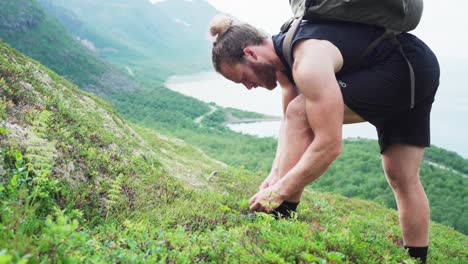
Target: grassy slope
x,y
354,174
80,184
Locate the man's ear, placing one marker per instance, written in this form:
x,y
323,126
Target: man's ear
x,y
249,52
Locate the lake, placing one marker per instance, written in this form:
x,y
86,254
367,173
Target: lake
x,y
449,126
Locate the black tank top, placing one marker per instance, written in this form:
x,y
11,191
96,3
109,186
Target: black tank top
x,y
350,38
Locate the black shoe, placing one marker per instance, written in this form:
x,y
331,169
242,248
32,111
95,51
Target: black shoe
x,y
419,253
285,210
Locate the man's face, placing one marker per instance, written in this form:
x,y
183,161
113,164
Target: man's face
x,y
251,74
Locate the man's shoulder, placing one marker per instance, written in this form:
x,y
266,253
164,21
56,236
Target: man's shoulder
x,y
324,52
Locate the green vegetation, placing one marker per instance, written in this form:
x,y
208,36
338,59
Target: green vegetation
x,y
26,27
171,113
448,158
80,184
155,41
216,120
243,114
149,103
160,105
356,174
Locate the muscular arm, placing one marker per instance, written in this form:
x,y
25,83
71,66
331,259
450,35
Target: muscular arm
x,y
289,92
314,73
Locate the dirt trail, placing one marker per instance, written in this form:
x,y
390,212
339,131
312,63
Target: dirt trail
x,y
446,168
199,119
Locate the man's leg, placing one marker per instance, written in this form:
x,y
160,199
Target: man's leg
x,y
401,166
296,135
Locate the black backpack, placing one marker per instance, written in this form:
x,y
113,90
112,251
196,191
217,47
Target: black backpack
x,y
395,16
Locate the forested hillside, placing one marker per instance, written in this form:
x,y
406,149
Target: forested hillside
x,y
147,103
153,41
79,184
25,26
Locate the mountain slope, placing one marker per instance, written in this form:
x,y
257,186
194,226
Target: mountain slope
x,y
167,38
24,25
80,184
150,103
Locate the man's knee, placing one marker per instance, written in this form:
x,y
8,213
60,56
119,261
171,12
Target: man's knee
x,y
401,166
295,112
400,179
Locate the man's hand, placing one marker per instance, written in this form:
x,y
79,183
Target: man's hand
x,y
270,180
266,200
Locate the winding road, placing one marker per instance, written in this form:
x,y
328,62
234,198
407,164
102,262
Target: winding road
x,y
199,119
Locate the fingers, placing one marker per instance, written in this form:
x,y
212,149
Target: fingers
x,y
255,207
258,207
264,185
265,201
252,200
257,204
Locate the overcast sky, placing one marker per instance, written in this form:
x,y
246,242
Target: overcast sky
x,y
444,25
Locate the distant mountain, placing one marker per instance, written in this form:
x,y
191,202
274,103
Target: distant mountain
x,y
167,37
26,27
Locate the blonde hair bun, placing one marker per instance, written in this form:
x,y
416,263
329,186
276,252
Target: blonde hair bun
x,y
219,25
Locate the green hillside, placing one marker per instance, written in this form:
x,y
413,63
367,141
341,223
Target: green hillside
x,y
167,38
357,173
149,104
78,184
25,26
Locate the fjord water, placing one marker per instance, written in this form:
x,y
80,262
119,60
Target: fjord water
x,y
449,126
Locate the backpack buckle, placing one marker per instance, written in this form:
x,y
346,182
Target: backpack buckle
x,y
285,27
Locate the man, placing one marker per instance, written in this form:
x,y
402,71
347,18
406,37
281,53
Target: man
x,y
318,99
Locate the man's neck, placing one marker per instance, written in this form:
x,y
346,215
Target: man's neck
x,y
273,57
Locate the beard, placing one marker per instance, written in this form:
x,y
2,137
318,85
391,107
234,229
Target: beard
x,y
266,73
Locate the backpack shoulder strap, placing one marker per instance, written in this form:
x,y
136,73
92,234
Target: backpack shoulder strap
x,y
287,42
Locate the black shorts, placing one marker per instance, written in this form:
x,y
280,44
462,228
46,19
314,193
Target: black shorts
x,y
381,93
